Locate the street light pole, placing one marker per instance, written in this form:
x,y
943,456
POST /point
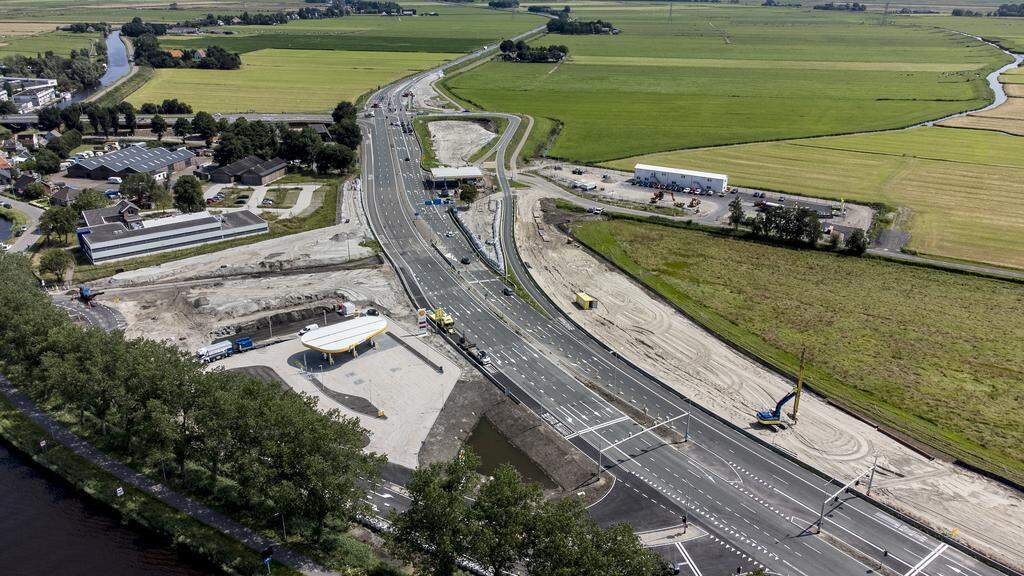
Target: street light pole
x,y
871,478
689,410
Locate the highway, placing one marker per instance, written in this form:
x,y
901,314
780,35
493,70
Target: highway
x,y
758,507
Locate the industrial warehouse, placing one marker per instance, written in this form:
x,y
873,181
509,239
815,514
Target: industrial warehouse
x,y
648,175
118,232
157,162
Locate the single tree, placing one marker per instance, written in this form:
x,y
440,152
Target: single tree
x,y
127,112
434,531
88,199
230,148
347,132
205,126
158,126
468,192
55,261
736,214
856,242
58,221
71,116
143,189
343,111
35,191
47,162
188,194
49,118
182,127
300,145
503,516
331,157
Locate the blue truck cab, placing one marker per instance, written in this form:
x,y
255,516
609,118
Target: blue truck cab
x,y
243,344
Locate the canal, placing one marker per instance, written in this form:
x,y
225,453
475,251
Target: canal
x,y
117,67
47,528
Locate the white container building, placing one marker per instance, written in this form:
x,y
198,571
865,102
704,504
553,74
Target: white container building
x,y
648,175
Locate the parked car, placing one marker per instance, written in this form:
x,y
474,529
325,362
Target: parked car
x,y
307,328
113,180
7,205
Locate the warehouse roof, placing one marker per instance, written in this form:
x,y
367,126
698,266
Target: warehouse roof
x,y
120,231
237,167
269,166
344,336
137,158
680,171
463,172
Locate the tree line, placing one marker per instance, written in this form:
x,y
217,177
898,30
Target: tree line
x,y
503,3
563,25
522,52
844,6
549,10
791,225
258,448
149,52
505,525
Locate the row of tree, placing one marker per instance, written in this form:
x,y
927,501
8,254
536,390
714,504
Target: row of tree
x,y
843,6
549,10
503,3
506,525
791,225
105,119
168,106
1010,10
266,140
522,52
148,51
152,405
563,25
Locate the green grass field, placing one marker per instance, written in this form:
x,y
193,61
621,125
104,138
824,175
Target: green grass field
x,y
118,11
1008,32
719,75
934,354
455,29
60,43
285,80
962,186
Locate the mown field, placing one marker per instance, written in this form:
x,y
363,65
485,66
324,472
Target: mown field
x,y
285,80
934,354
61,43
964,187
717,75
454,29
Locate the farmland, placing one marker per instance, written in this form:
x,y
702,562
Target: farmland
x,y
116,11
454,29
933,354
1008,32
720,75
285,80
963,187
61,43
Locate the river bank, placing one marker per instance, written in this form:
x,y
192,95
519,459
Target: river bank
x,y
196,547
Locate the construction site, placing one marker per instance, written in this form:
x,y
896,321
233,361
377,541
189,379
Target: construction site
x,y
649,332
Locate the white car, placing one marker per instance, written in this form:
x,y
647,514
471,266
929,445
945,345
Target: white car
x,y
113,180
308,328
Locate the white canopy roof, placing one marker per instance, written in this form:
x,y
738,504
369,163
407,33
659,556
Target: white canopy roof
x,y
344,336
460,173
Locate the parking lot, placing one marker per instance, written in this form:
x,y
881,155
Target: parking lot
x,y
707,207
237,197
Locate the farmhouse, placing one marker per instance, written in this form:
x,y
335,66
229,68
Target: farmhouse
x,y
251,171
157,162
117,232
648,175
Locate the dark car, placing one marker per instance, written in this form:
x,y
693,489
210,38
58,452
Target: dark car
x,y
506,291
465,260
406,158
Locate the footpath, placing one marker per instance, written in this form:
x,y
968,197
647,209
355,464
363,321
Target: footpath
x,y
176,500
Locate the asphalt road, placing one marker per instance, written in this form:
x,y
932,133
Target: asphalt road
x,y
757,506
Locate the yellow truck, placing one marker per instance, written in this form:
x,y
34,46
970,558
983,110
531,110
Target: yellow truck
x,y
584,301
442,319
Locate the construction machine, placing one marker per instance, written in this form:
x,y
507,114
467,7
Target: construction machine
x,y
87,296
442,320
774,417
